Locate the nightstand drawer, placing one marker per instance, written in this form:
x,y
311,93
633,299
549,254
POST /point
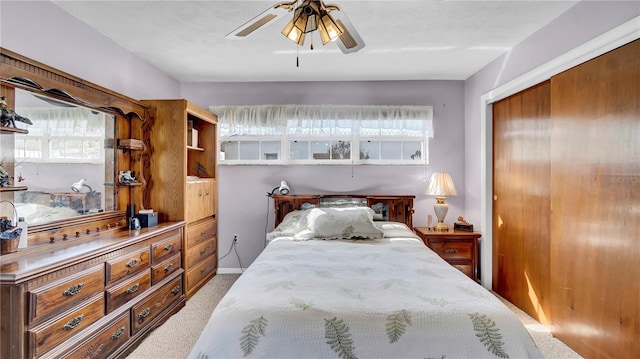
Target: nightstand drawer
x,y
453,250
464,268
460,249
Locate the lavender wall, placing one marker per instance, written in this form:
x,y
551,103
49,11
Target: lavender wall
x,y
580,24
46,33
242,189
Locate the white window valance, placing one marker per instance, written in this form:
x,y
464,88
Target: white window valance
x,y
63,121
324,120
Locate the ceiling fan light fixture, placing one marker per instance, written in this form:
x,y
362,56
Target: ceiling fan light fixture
x,y
294,30
308,16
328,28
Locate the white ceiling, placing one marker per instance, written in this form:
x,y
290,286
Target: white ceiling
x,y
405,40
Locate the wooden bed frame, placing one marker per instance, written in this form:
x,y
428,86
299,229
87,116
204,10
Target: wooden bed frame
x,y
396,208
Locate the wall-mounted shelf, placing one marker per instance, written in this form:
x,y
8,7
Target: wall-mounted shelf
x,y
195,148
13,130
13,188
134,184
130,144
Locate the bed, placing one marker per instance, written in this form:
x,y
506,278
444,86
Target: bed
x,y
334,283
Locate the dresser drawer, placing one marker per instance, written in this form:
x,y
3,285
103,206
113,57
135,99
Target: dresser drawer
x,y
57,330
166,268
104,342
166,247
453,250
200,252
50,299
145,311
127,290
127,264
203,270
199,232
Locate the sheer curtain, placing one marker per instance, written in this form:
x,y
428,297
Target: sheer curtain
x,y
65,122
321,120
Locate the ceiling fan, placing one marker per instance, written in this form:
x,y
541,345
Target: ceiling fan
x,y
308,16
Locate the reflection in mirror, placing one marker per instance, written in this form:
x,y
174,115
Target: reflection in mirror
x,y
66,160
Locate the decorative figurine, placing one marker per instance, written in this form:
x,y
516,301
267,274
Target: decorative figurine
x,y
5,179
127,177
8,117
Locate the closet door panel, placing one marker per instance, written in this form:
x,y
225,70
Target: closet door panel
x,y
595,197
521,200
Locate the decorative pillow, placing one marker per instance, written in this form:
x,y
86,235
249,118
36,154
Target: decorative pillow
x,y
338,223
289,226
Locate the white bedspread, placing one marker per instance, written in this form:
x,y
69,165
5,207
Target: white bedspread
x,y
383,298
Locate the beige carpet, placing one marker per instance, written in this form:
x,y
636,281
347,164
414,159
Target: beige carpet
x,y
175,338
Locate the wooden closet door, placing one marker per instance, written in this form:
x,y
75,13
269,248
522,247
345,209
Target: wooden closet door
x,y
595,197
521,200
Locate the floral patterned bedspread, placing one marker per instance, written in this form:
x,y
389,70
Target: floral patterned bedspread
x,y
382,298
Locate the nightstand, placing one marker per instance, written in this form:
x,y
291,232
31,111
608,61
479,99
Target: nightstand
x,y
458,248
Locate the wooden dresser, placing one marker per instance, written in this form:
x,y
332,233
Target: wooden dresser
x,y
94,297
458,248
182,141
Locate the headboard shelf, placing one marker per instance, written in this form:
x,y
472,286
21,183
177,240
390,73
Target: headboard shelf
x,y
395,208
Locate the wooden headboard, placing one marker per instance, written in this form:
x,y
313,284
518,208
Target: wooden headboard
x,y
396,208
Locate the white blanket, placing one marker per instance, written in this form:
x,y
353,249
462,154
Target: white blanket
x,y
382,298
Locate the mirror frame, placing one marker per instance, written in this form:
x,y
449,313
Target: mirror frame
x,y
17,71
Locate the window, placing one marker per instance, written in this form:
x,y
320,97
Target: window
x,y
289,134
63,135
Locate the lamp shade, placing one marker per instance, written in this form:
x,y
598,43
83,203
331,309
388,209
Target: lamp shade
x,y
441,184
284,188
77,186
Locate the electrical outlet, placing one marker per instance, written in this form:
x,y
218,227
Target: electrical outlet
x,y
235,237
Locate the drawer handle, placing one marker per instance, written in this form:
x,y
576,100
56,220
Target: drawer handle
x,y
133,262
168,268
203,233
134,288
451,251
203,270
175,290
118,333
73,322
168,247
73,290
144,313
203,251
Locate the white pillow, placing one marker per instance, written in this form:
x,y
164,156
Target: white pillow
x,y
338,223
289,226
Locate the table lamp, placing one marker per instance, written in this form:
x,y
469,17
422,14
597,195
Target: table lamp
x,y
441,185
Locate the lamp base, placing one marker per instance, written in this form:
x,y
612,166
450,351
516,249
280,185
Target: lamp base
x,y
440,227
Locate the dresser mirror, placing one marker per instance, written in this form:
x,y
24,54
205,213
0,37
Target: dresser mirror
x,y
66,160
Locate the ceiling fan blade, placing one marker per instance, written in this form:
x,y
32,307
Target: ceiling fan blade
x,y
350,41
267,17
